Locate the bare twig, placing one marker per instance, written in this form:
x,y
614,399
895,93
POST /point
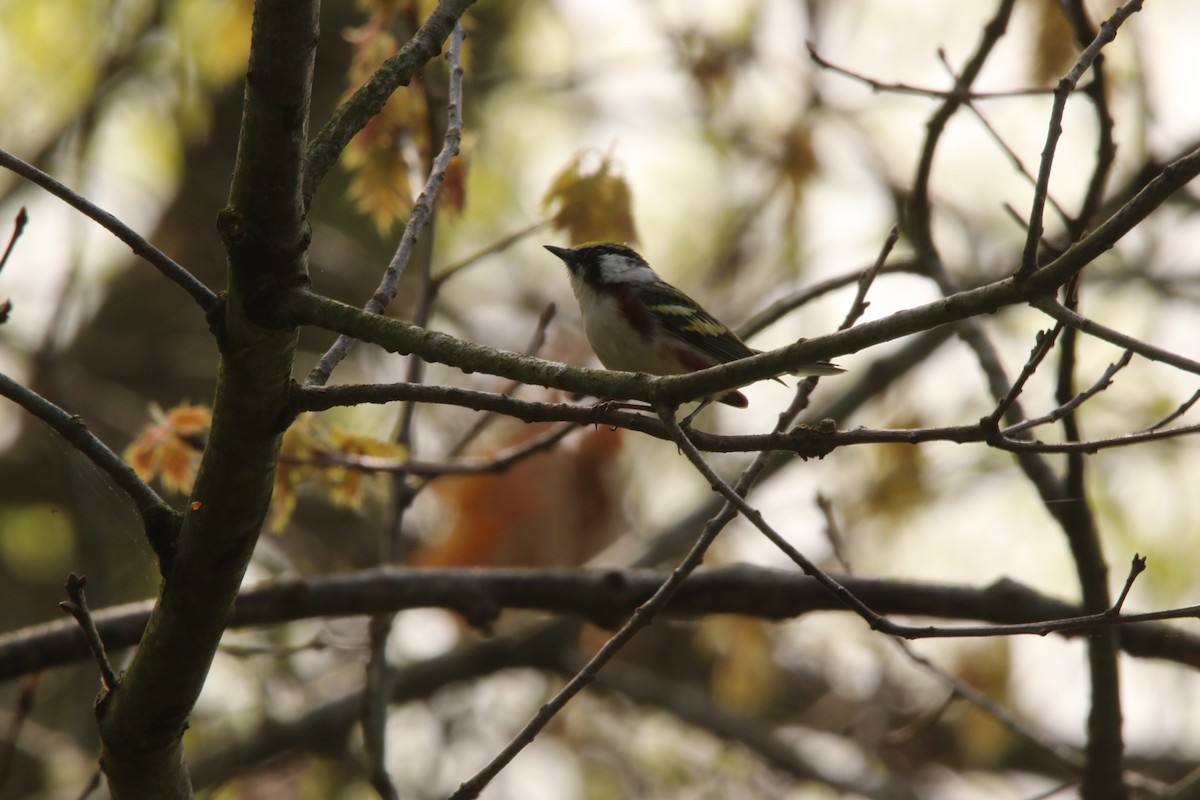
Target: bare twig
x,y
92,785
160,520
789,303
203,296
858,306
379,676
1041,348
77,607
1183,408
1015,159
429,469
1061,753
1066,86
833,532
959,92
1063,314
1102,383
18,226
1136,567
19,223
536,341
498,246
417,219
641,618
919,223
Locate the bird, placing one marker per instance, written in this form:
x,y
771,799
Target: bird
x,y
637,322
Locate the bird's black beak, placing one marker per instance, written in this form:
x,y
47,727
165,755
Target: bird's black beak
x,y
565,253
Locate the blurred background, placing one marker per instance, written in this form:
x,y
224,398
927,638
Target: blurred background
x,y
705,135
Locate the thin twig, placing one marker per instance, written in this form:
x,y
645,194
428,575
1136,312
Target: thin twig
x,y
958,93
429,469
858,306
498,246
1061,753
482,421
1063,314
77,607
18,228
641,618
92,785
833,532
1043,343
420,215
1183,408
1012,156
1066,86
1136,567
159,519
919,216
1102,383
789,303
1098,92
379,676
203,296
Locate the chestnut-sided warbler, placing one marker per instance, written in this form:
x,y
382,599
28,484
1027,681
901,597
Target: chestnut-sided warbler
x,y
637,322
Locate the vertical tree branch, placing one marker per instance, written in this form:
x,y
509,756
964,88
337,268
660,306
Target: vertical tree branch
x,y
265,234
1105,749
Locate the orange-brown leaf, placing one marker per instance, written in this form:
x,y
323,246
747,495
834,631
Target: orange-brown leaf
x,y
552,508
169,447
592,206
322,458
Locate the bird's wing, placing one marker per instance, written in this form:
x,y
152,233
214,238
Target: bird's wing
x,y
684,319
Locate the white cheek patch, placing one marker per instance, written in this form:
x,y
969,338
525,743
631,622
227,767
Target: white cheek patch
x,y
620,269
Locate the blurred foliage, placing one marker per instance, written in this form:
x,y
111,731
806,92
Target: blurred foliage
x,y
591,205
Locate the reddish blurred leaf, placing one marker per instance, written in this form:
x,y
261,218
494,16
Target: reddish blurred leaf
x,y
551,509
169,447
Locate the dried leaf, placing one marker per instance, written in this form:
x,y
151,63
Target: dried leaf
x,y
380,184
323,458
592,206
169,447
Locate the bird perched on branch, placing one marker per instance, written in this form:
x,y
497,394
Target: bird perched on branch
x,y
637,322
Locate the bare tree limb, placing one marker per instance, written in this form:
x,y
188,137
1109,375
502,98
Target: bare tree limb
x,y
160,520
606,597
141,248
